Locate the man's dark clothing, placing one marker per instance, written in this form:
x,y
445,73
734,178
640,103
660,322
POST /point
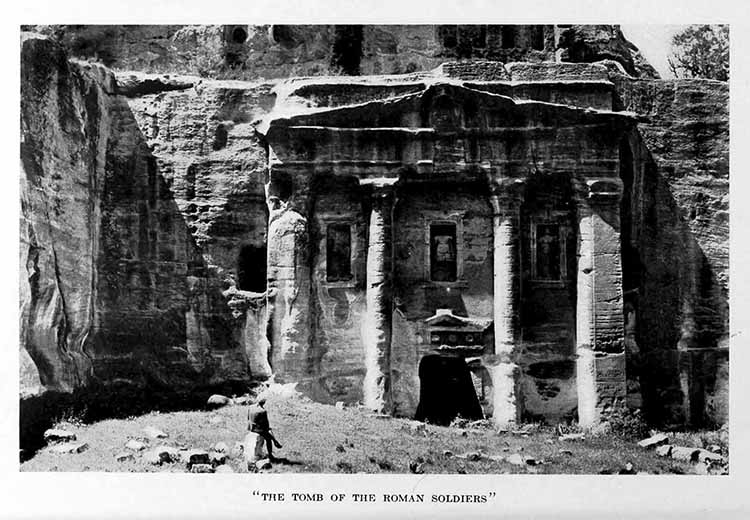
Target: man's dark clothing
x,y
257,420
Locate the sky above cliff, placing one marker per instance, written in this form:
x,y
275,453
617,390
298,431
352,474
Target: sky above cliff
x,y
654,42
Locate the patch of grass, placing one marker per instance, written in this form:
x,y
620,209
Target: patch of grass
x,y
313,435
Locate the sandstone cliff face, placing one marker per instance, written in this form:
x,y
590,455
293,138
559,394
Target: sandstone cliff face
x,y
66,130
144,216
280,51
137,215
677,264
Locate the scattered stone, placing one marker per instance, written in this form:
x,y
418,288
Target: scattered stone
x,y
572,437
125,456
263,464
701,468
217,401
217,459
339,405
56,435
447,453
161,455
664,450
709,457
550,441
242,400
419,427
340,448
154,433
515,459
135,445
654,440
473,456
221,447
224,468
566,452
201,468
684,453
194,457
69,447
715,448
627,470
480,424
416,467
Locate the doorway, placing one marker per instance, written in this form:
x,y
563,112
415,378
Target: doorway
x,y
446,391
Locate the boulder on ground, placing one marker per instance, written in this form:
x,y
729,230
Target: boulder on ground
x,y
69,447
664,450
263,464
709,457
216,458
654,441
339,405
242,400
161,455
154,433
135,445
416,467
57,435
193,457
572,437
684,453
218,400
628,470
515,459
201,468
125,456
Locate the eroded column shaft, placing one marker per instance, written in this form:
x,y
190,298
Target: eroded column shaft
x,y
377,321
505,310
600,366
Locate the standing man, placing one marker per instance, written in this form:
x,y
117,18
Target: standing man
x,y
257,422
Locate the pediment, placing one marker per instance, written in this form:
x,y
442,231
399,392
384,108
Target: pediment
x,y
438,106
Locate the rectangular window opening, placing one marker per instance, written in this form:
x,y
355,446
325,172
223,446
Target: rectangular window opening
x,y
339,253
443,258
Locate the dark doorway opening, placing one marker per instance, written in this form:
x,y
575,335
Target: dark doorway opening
x,y
251,268
347,49
446,391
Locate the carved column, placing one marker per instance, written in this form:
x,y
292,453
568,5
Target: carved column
x,y
288,274
377,321
506,204
600,354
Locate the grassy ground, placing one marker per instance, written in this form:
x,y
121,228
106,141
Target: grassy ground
x,y
323,439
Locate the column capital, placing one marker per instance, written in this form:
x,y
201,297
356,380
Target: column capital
x,y
599,190
506,194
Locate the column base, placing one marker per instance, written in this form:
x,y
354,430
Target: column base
x,y
506,411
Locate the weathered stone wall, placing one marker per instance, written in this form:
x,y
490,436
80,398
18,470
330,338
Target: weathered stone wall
x,y
548,307
416,297
678,237
166,188
66,112
339,305
251,52
133,249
